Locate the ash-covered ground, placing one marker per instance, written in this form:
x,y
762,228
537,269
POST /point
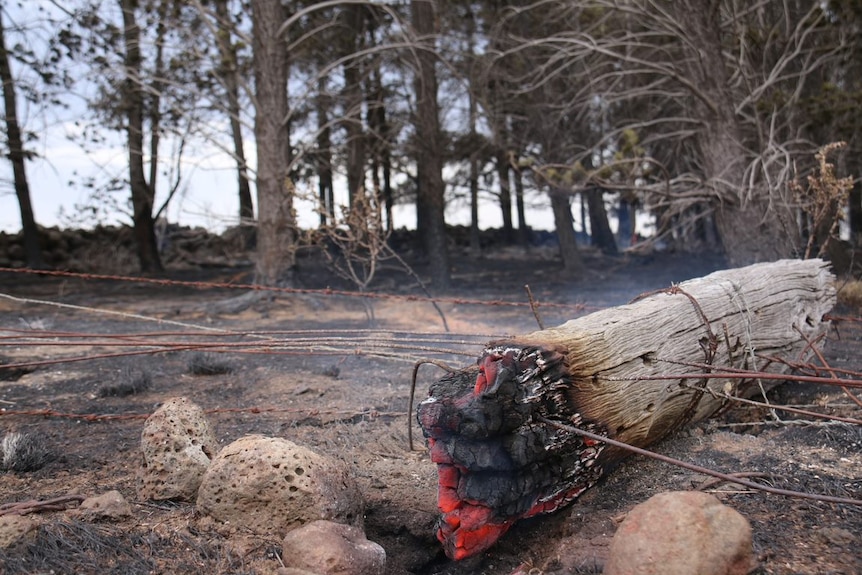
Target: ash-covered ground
x,y
320,374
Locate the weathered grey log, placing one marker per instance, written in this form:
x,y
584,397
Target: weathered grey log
x,y
727,319
608,372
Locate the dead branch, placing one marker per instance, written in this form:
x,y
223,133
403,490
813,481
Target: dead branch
x,y
40,506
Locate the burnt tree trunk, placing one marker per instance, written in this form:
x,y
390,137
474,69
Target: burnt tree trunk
x,y
502,164
276,229
475,238
378,124
564,225
228,73
854,215
430,200
635,373
323,155
32,249
353,21
600,230
524,234
143,195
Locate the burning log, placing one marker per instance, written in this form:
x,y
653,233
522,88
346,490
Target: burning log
x,y
491,427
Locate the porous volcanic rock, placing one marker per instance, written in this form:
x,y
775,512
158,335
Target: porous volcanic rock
x,y
15,529
177,445
680,533
338,549
271,485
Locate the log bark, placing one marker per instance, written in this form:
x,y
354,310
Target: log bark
x,y
634,373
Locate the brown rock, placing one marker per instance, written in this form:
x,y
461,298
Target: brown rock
x,y
337,549
14,529
270,486
177,446
681,533
111,505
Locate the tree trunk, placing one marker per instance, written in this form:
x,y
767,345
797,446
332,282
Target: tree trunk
x,y
155,91
381,153
323,155
626,221
518,130
855,215
475,240
752,228
276,235
29,229
742,227
500,432
352,17
379,128
600,229
430,201
228,72
564,225
505,194
143,195
523,229
755,223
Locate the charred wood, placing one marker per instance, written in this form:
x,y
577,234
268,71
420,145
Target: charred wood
x,y
629,373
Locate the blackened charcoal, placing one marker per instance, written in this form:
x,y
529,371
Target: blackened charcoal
x,y
479,455
493,489
453,408
454,384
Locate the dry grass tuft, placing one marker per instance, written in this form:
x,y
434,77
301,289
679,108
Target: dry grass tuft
x,y
23,452
130,383
76,547
208,364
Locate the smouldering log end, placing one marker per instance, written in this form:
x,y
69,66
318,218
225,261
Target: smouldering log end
x,y
497,462
494,430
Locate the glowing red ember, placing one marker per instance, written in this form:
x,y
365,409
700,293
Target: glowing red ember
x,y
497,462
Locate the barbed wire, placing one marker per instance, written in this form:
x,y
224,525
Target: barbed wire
x,y
383,343
290,290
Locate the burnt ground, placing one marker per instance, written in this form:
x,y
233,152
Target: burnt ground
x,y
322,377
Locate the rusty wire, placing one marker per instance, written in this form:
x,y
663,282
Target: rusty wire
x,y
740,374
205,285
377,343
732,478
304,342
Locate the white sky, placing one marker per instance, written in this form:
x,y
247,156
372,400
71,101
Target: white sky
x,y
207,196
